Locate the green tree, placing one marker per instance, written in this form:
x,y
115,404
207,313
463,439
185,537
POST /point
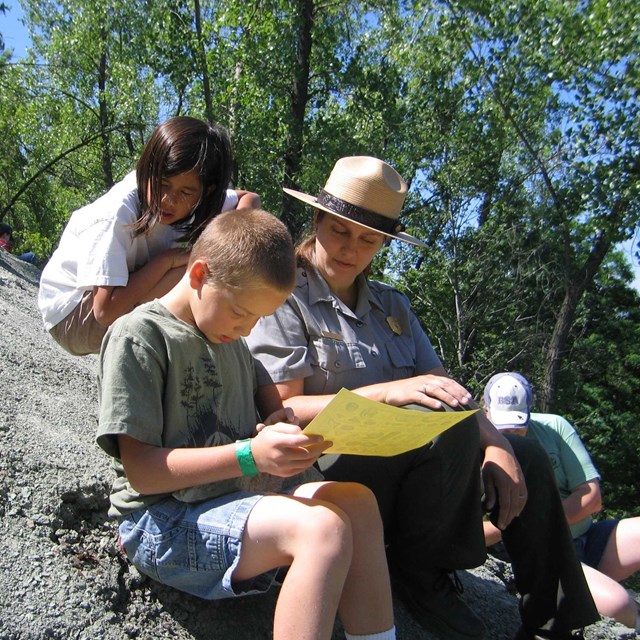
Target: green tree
x,y
600,392
524,115
80,110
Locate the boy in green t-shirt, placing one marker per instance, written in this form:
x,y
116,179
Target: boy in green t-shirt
x,y
608,549
209,499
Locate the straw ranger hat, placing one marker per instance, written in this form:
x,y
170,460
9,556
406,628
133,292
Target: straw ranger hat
x,y
366,191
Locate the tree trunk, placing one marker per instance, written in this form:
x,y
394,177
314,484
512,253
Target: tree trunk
x,y
299,99
107,163
574,289
204,67
233,115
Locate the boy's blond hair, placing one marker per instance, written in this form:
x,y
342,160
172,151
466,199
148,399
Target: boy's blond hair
x,y
247,248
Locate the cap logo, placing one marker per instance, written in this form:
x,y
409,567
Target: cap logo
x,y
508,400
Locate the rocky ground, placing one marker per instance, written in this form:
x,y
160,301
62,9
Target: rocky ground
x,y
61,575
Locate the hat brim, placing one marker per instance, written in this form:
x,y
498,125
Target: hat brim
x,y
509,419
313,201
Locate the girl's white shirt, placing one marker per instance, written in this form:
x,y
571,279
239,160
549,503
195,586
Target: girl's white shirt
x,y
97,249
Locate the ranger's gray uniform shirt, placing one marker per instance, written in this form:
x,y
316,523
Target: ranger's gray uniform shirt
x,y
316,337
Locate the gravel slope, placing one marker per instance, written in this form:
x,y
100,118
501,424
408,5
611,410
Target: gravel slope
x,y
61,575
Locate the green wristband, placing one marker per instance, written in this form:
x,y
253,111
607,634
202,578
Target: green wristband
x,y
245,458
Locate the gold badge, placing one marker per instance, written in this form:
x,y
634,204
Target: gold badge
x,y
394,325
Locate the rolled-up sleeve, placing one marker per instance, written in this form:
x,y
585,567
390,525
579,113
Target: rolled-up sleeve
x,y
280,346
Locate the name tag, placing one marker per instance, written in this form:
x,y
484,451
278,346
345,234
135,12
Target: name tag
x,y
331,335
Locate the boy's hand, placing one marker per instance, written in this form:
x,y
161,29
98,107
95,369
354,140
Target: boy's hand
x,y
285,414
282,450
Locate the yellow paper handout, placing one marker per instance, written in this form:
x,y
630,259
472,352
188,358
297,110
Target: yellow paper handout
x,y
363,427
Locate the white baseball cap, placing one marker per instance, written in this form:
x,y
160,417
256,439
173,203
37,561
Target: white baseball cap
x,y
507,398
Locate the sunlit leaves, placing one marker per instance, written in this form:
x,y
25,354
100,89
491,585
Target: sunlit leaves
x,y
517,125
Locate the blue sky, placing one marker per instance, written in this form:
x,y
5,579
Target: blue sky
x,y
13,31
16,37
629,248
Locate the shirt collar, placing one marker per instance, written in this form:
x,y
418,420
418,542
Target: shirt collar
x,y
318,288
319,291
374,297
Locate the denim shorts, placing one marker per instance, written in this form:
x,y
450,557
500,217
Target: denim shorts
x,y
193,547
591,545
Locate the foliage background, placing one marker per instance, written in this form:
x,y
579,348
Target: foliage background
x,y
517,125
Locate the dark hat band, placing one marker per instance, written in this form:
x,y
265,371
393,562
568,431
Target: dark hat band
x,y
358,214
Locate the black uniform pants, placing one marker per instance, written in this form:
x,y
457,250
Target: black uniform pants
x,y
430,500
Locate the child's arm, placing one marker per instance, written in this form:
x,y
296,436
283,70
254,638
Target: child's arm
x,y
152,469
281,414
154,279
492,534
248,200
280,449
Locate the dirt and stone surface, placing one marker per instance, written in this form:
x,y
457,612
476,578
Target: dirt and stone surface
x,y
61,574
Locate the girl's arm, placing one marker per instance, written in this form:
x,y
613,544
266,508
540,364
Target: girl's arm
x,y
151,281
248,200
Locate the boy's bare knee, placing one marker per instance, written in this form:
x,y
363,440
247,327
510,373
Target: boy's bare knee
x,y
330,519
359,491
352,493
360,503
327,529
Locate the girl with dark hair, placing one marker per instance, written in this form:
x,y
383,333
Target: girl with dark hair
x,y
125,248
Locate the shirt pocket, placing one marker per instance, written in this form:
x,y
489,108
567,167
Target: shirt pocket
x,y
338,364
402,355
